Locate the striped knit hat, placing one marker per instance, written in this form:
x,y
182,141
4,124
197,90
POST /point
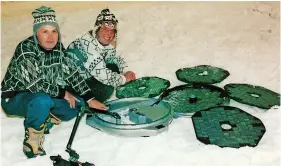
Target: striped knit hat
x,y
44,16
107,19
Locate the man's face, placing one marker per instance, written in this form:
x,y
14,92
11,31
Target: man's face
x,y
47,36
106,35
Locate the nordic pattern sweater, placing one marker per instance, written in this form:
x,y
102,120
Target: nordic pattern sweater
x,y
92,58
33,69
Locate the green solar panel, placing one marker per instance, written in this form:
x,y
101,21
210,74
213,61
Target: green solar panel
x,y
142,87
185,100
227,126
253,95
202,74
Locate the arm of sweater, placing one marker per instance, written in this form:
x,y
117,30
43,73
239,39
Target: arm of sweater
x,y
96,65
75,80
112,58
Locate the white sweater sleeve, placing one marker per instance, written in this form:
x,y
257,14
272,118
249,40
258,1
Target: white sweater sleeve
x,y
96,65
112,58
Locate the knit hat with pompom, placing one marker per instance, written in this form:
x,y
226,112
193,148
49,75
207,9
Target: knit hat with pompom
x,y
44,16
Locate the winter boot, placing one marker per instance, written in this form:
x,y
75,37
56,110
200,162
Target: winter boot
x,y
50,122
33,142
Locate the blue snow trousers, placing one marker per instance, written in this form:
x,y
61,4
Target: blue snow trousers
x,y
35,107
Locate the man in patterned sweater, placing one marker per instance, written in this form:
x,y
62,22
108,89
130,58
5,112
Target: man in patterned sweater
x,y
96,57
39,80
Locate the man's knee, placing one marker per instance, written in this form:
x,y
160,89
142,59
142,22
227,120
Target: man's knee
x,y
73,112
40,106
42,100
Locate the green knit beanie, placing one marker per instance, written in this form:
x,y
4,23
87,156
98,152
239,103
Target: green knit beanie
x,y
44,16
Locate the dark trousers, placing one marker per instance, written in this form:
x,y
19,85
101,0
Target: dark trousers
x,y
35,107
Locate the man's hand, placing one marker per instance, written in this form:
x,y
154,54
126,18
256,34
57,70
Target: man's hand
x,y
97,105
70,99
130,76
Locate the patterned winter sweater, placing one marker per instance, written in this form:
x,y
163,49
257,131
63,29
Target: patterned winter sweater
x,y
34,69
92,57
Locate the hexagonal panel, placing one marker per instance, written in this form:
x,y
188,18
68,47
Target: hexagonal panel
x,y
227,126
202,74
143,87
253,95
185,100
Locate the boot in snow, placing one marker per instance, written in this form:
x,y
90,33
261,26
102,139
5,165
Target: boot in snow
x,y
33,142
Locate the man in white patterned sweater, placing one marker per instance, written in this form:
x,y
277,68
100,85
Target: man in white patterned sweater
x,y
97,60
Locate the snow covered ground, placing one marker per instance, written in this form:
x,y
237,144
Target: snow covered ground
x,y
156,39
